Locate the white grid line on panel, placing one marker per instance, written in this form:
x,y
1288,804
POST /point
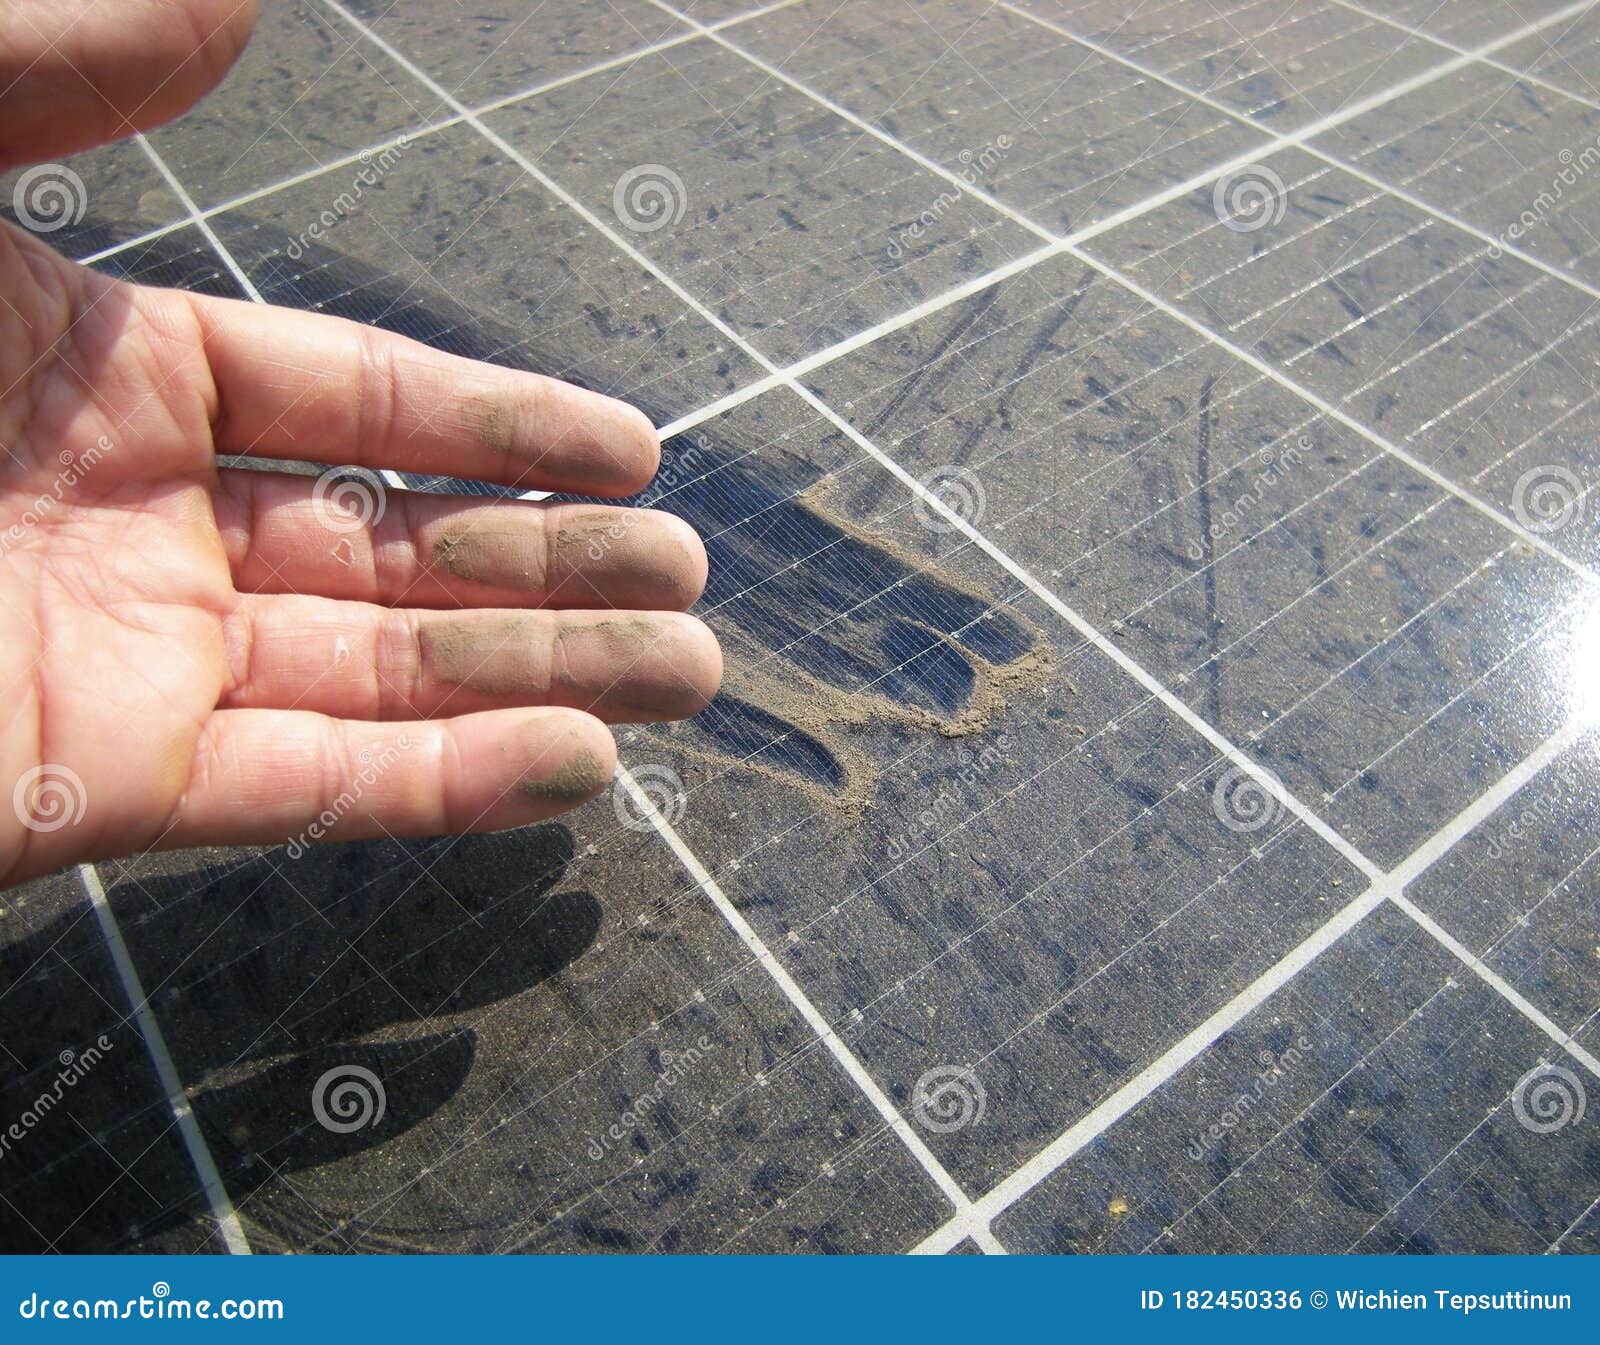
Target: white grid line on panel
x,y
801,1002
1070,245
947,1186
1262,367
894,323
945,1183
1482,59
155,1044
192,216
788,377
1271,145
197,218
1333,161
1154,685
194,1141
1126,662
1389,887
416,133
1057,247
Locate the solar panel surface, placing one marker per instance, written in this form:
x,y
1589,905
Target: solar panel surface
x,y
1144,452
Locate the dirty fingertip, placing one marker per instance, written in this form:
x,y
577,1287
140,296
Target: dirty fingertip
x,y
568,758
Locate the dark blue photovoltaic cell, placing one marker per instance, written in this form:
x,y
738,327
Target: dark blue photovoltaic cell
x,y
1323,1123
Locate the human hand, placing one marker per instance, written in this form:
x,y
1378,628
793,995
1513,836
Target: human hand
x,y
202,655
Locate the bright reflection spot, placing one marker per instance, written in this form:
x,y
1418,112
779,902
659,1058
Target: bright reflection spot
x,y
1583,669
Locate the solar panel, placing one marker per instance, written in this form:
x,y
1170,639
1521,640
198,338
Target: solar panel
x,y
1143,454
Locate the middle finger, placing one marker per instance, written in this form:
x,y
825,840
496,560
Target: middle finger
x,y
367,543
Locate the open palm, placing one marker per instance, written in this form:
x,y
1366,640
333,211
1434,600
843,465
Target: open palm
x,y
192,654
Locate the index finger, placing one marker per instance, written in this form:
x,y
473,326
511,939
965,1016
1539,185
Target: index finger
x,y
322,389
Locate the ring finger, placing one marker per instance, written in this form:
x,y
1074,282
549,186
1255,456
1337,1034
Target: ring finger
x,y
359,661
